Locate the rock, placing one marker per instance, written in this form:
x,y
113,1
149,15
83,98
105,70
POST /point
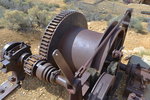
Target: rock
x,y
89,23
146,59
130,51
138,49
127,52
23,93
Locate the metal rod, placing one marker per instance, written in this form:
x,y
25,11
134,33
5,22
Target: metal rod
x,y
61,80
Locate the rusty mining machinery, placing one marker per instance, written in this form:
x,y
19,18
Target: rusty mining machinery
x,y
87,63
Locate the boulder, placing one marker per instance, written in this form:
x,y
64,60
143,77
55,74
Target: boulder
x,y
138,49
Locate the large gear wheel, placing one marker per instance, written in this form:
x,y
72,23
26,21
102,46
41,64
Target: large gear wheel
x,y
56,29
69,33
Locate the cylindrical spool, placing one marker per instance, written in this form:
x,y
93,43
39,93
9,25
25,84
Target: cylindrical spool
x,y
78,45
72,38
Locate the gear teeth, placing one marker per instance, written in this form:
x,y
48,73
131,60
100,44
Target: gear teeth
x,y
56,21
43,54
52,26
53,23
50,31
34,63
46,40
44,43
30,63
44,51
43,46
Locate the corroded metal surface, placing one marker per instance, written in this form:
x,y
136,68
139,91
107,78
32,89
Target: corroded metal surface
x,y
30,62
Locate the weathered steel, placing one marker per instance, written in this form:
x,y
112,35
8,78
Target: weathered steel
x,y
107,42
64,67
138,77
6,88
12,54
56,30
102,86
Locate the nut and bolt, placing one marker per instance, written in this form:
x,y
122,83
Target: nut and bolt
x,y
12,79
2,90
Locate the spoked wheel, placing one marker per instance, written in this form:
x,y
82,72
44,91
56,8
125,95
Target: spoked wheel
x,y
115,42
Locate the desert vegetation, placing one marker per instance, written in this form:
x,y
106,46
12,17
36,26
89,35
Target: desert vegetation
x,y
28,15
25,15
99,11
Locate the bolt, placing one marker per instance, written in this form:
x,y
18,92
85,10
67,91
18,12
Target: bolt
x,y
133,95
2,91
12,79
144,86
56,54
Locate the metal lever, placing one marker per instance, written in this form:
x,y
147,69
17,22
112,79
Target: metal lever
x,y
62,64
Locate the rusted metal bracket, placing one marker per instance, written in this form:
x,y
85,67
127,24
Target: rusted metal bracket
x,y
101,89
6,88
9,86
12,56
65,69
133,96
138,78
77,95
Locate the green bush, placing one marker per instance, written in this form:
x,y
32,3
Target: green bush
x,y
2,23
22,5
47,7
8,4
91,12
67,1
39,18
143,19
136,24
118,18
25,15
20,21
16,20
2,11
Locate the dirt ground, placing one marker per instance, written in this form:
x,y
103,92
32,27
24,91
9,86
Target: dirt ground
x,y
34,89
